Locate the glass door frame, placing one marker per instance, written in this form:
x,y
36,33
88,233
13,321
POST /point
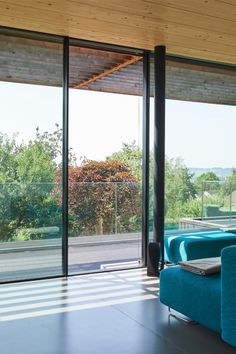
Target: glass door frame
x,y
145,141
65,134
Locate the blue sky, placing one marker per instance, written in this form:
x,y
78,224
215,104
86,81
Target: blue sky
x,y
202,134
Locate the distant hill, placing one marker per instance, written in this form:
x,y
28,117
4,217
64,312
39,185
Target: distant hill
x,y
219,171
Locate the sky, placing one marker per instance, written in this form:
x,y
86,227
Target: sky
x,y
203,135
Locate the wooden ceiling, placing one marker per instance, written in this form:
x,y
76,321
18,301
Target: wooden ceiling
x,y
202,29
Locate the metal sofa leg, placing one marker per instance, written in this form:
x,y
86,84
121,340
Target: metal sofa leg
x,y
181,318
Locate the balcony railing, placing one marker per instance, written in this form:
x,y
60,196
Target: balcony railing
x,y
33,212
218,206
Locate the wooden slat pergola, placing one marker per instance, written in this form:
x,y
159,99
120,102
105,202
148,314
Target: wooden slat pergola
x,y
39,62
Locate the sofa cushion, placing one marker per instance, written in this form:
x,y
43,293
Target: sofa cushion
x,y
196,244
228,300
194,296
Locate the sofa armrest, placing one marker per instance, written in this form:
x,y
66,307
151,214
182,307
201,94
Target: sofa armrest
x,y
228,299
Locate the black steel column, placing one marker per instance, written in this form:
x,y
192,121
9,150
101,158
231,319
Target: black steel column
x,y
65,156
156,248
145,163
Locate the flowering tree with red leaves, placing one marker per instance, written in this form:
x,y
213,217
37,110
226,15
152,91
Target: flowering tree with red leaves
x,y
103,197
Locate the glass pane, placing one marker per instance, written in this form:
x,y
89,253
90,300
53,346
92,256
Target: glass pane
x,y
200,158
30,155
105,173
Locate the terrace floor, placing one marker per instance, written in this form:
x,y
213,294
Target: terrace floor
x,y
42,258
110,313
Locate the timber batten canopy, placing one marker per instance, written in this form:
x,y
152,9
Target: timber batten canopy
x,y
40,62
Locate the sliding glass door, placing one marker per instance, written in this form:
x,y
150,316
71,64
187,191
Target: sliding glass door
x,y
30,158
105,161
200,159
105,158
200,178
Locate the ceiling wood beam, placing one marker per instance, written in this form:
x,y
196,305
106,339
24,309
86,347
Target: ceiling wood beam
x,y
105,73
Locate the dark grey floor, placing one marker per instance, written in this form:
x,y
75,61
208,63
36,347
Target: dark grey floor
x,y
125,317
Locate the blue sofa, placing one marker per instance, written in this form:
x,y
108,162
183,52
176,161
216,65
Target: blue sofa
x,y
196,244
209,300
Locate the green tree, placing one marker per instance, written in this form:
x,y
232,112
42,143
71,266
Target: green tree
x,y
207,181
229,184
130,154
8,164
28,195
179,188
227,192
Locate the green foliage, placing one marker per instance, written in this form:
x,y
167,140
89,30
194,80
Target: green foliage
x,y
34,164
207,181
27,191
51,142
22,235
179,188
229,184
104,197
193,208
130,154
180,191
8,164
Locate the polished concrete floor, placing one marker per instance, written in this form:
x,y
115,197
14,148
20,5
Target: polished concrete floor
x,y
109,313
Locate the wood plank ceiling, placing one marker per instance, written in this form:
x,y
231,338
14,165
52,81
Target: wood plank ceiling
x,y
202,29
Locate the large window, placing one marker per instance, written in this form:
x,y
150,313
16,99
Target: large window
x,y
105,167
200,160
30,158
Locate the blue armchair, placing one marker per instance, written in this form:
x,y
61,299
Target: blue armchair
x,y
210,300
